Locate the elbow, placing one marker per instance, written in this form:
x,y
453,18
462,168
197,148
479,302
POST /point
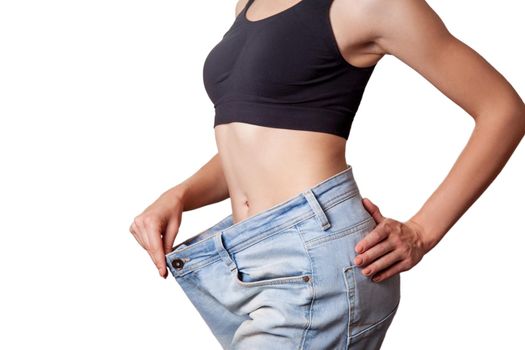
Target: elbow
x,y
510,113
517,116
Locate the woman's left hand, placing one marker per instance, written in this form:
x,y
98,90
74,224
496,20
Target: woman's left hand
x,y
390,248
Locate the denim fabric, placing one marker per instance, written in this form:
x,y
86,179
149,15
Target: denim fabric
x,y
285,278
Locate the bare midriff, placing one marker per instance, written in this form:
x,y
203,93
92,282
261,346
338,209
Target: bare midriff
x,y
264,166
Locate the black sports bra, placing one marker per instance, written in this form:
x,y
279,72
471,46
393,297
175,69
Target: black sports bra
x,y
285,71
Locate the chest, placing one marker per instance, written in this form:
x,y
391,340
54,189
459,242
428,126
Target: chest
x,y
275,56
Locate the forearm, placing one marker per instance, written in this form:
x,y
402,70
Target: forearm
x,y
206,186
491,144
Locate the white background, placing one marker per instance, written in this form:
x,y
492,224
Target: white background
x,y
102,108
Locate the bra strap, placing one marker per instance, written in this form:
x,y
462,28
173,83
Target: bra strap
x,y
248,4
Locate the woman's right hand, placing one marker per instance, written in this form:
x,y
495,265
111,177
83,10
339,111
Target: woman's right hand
x,y
157,226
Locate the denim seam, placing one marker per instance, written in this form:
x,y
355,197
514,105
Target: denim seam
x,y
341,198
373,326
190,246
331,203
364,224
251,242
310,309
350,292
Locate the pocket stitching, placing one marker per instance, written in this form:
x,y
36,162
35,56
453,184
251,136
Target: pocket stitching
x,y
375,325
367,223
287,280
283,280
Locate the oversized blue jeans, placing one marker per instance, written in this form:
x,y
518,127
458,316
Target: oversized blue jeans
x,y
285,278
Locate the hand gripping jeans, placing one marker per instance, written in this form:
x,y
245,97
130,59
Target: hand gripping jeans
x,y
285,279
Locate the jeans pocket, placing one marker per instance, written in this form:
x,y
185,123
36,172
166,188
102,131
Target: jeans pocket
x,y
280,259
370,304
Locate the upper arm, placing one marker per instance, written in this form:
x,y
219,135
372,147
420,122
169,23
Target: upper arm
x,y
411,31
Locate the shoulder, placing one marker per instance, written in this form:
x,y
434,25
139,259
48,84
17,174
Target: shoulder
x,y
388,22
240,6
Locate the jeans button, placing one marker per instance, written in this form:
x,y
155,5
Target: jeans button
x,y
177,263
306,278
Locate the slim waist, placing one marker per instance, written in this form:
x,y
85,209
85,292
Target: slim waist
x,y
198,250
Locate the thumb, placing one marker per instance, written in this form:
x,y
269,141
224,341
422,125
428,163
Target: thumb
x,y
373,210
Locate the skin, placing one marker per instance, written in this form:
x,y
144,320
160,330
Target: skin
x,y
256,178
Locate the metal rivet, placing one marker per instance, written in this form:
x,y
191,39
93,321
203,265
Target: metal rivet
x,y
306,278
177,263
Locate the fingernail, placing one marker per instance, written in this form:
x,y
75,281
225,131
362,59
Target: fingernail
x,y
375,279
358,260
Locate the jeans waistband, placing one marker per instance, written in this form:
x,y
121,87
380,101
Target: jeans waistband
x,y
223,238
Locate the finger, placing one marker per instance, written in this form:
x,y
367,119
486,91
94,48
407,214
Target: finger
x,y
135,231
374,253
373,210
156,253
153,242
382,263
169,237
372,238
391,271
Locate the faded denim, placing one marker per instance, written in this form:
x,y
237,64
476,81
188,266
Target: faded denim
x,y
285,278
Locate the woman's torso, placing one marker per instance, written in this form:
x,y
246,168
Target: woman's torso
x,y
264,166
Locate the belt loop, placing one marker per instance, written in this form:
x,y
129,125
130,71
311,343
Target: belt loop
x,y
318,210
223,253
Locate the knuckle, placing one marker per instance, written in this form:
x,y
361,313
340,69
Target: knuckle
x,y
138,220
378,234
392,225
396,240
148,220
388,223
383,226
405,265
